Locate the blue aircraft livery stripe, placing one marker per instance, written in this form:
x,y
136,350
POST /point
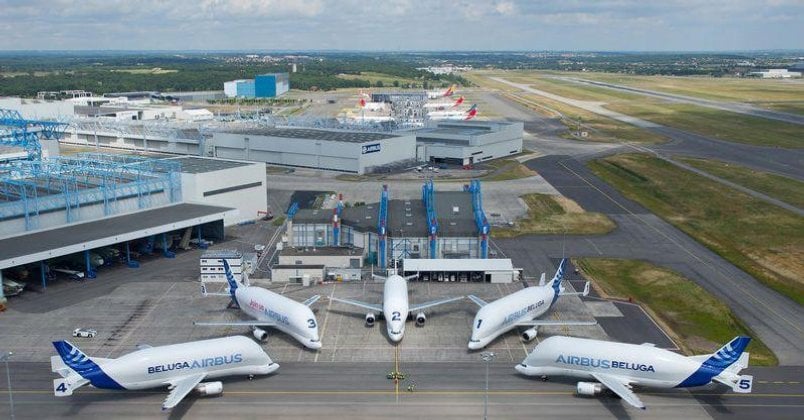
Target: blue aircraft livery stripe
x,y
76,360
232,282
717,363
557,280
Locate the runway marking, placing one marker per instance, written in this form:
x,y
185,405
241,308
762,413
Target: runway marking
x,y
396,369
324,327
693,255
599,252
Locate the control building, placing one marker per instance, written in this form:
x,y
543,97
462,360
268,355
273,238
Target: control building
x,y
335,150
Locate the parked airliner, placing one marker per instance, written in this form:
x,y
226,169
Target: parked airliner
x,y
271,309
433,94
520,309
395,308
619,366
453,114
179,367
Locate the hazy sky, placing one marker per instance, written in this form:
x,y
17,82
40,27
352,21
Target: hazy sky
x,y
402,24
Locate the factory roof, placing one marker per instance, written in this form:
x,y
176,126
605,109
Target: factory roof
x,y
313,134
69,239
199,165
455,214
407,218
321,250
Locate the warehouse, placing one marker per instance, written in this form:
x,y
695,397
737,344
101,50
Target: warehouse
x,y
335,150
225,183
468,142
465,270
268,85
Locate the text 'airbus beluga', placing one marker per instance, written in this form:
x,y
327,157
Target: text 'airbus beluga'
x,y
520,309
271,309
395,308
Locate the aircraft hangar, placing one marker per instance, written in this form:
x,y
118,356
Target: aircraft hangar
x,y
71,215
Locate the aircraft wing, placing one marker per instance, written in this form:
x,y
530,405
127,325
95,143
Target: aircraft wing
x,y
312,300
620,387
254,323
430,304
179,388
552,323
479,302
369,306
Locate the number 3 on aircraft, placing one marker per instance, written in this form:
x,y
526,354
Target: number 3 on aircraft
x,y
310,323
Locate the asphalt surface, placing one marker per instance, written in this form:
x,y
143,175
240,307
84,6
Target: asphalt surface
x,y
786,162
776,319
361,391
738,107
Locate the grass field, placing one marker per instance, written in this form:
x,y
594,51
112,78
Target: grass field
x,y
720,89
549,214
699,322
715,123
782,188
508,169
697,119
373,78
155,70
760,238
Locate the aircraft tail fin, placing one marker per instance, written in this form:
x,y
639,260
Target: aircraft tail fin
x,y
471,113
231,280
729,355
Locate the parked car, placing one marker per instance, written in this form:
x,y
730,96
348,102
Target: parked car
x,y
84,332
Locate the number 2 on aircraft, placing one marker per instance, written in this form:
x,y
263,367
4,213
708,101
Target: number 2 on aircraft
x,y
395,316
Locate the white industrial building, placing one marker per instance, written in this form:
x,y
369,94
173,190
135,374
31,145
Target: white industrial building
x,y
775,74
335,150
311,265
499,270
225,183
468,142
213,270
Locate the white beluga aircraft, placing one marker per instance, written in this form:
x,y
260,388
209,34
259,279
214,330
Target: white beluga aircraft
x,y
179,367
395,308
520,310
619,366
270,309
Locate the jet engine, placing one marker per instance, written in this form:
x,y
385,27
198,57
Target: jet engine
x,y
420,319
209,388
260,334
589,388
370,318
529,334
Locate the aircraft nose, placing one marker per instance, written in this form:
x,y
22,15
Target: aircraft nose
x,y
315,345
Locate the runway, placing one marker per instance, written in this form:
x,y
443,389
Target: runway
x,y
738,107
443,390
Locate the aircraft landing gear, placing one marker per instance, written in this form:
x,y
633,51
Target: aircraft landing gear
x,y
250,377
544,378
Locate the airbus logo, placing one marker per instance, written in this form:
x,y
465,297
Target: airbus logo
x,y
200,363
371,148
270,313
603,363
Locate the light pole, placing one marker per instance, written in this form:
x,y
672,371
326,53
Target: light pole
x,y
4,358
487,357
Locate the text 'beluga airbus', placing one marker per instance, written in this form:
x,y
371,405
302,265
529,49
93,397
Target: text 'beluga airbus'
x,y
271,309
520,309
619,366
395,308
180,367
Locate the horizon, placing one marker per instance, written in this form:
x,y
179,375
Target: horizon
x,y
401,25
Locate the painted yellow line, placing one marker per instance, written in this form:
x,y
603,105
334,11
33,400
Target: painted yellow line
x,y
434,392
